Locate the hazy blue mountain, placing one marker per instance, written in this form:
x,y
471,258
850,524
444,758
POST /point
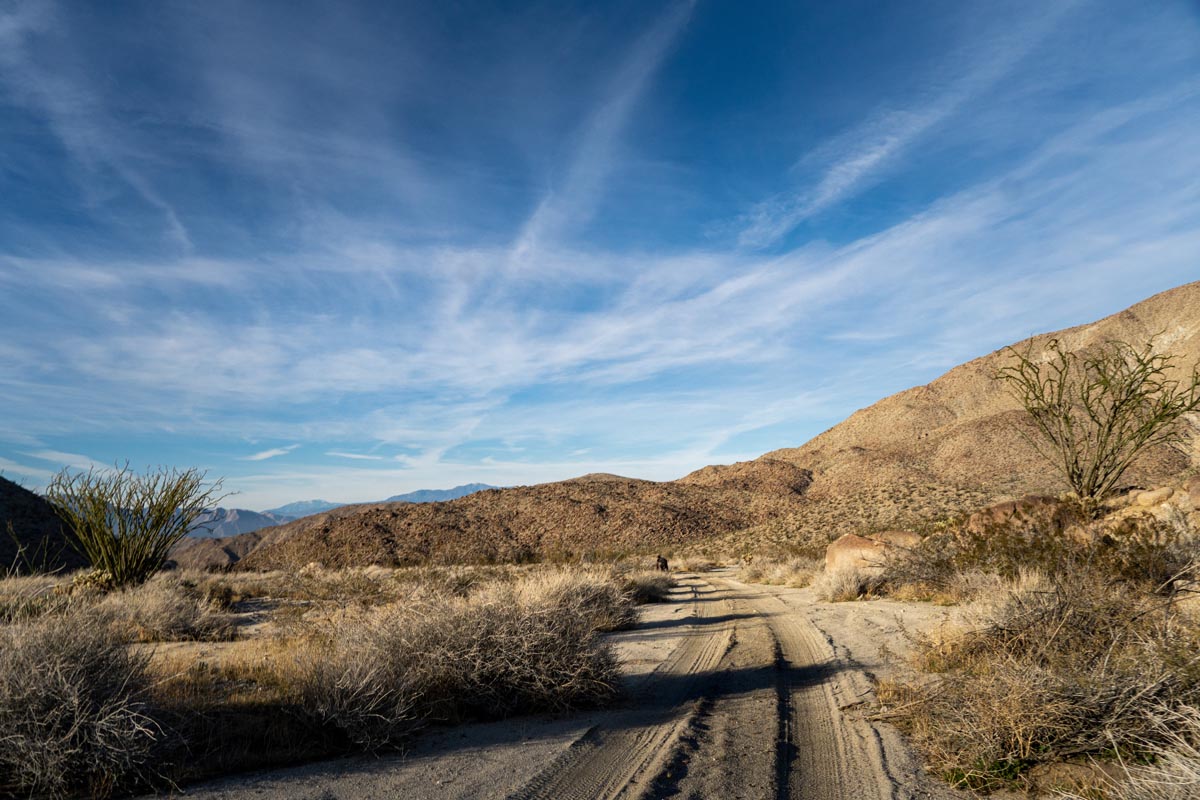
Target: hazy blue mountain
x,y
303,508
435,495
219,522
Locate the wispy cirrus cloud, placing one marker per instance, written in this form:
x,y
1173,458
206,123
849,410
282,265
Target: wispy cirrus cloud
x,y
75,110
571,200
419,288
353,456
859,158
75,460
274,452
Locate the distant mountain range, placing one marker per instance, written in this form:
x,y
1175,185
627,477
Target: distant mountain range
x,y
221,522
302,508
438,495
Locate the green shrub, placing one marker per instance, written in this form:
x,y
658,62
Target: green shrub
x,y
126,523
1141,549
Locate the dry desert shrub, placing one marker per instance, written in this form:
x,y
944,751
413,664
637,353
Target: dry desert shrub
x,y
165,610
647,586
1059,669
794,571
1173,768
847,584
73,711
379,674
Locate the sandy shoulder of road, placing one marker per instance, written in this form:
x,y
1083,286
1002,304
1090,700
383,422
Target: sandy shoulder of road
x,y
486,760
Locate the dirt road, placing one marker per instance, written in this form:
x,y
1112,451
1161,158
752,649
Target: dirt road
x,y
734,693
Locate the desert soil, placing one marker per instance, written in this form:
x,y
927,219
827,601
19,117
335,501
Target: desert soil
x,y
734,691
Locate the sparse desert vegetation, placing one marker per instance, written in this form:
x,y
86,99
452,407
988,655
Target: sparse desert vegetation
x,y
795,571
1082,636
197,674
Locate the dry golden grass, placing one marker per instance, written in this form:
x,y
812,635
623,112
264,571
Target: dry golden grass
x,y
1056,670
795,571
95,688
164,609
847,584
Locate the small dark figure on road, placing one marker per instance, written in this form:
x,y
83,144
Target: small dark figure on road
x,y
662,564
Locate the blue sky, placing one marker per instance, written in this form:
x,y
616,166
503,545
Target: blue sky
x,y
346,250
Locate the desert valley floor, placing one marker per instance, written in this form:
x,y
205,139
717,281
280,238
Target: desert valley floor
x,y
733,691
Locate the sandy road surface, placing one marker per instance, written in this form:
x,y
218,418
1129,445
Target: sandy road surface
x,y
733,693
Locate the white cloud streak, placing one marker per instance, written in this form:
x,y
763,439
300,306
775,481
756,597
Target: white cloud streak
x,y
75,112
571,203
353,456
274,452
860,158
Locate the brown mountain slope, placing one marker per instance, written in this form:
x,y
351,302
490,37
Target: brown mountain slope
x,y
952,445
592,514
37,540
923,454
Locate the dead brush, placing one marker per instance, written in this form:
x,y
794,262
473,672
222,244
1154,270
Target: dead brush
x,y
647,586
379,674
1068,669
74,716
165,610
1170,769
847,584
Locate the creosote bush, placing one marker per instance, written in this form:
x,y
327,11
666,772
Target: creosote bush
x,y
126,523
1157,554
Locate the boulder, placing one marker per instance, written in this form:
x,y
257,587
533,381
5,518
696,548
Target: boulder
x,y
1193,489
1155,496
1031,512
866,553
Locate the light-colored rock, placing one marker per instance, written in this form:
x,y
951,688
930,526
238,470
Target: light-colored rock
x,y
905,540
1193,488
1155,496
866,553
1039,512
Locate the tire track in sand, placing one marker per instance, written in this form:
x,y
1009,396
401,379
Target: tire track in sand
x,y
624,755
832,755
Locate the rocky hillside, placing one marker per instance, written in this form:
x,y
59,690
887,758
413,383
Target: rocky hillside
x,y
952,445
592,514
928,453
36,538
